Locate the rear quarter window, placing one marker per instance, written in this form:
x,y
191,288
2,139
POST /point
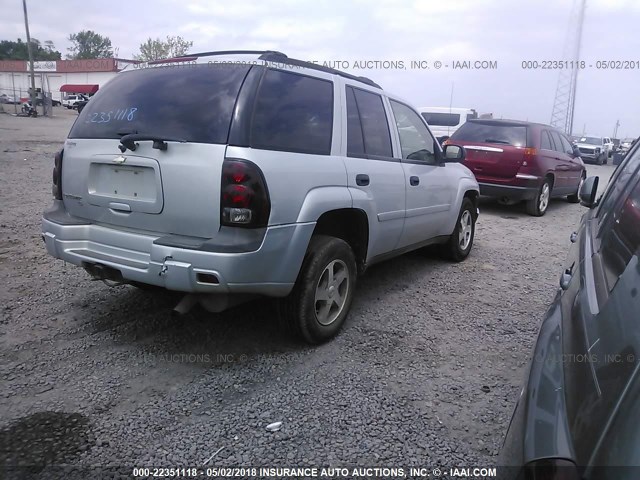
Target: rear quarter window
x,y
479,132
293,113
193,103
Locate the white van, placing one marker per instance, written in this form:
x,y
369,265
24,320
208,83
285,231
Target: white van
x,y
445,120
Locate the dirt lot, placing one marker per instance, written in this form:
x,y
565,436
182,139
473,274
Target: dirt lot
x,y
425,373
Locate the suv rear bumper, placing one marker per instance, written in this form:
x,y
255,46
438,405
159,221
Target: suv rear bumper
x,y
271,269
514,193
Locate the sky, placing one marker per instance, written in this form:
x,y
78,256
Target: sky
x,y
508,32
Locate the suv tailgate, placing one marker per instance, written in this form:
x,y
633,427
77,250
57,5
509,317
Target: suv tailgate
x,y
174,190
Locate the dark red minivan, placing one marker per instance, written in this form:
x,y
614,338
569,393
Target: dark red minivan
x,y
515,161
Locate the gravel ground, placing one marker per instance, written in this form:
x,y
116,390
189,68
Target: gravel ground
x,y
425,373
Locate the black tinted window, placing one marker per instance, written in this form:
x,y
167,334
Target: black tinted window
x,y
377,140
545,141
618,182
442,119
622,240
566,145
557,141
415,140
355,141
293,113
481,132
194,103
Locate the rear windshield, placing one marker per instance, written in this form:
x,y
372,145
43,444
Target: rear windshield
x,y
478,132
442,119
194,103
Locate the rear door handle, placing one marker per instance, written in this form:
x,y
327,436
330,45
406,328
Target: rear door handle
x,y
362,180
414,181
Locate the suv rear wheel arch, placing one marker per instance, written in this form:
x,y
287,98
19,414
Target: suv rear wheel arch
x,y
350,225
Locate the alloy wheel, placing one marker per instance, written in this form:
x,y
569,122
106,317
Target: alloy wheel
x,y
331,292
465,230
543,203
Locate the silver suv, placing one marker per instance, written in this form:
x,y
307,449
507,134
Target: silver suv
x,y
265,176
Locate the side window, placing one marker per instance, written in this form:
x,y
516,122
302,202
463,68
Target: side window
x,y
355,139
622,240
619,180
375,128
566,145
415,140
545,141
556,141
293,113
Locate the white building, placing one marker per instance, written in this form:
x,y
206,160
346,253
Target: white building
x,y
52,76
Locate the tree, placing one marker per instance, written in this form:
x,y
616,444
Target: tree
x,y
158,49
10,50
89,44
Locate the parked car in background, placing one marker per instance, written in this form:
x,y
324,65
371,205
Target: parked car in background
x,y
9,99
593,149
71,100
515,161
254,181
625,145
577,415
444,121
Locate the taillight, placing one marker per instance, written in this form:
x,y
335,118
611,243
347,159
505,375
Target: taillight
x,y
56,189
551,469
244,199
529,155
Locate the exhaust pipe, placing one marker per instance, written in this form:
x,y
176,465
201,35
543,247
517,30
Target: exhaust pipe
x,y
104,273
214,303
185,305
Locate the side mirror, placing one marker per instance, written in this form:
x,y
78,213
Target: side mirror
x,y
588,192
576,151
454,153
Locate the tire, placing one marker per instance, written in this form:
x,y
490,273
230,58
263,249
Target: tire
x,y
303,313
601,160
460,242
538,205
575,198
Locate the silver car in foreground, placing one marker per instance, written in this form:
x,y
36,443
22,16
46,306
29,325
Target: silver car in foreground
x,y
265,176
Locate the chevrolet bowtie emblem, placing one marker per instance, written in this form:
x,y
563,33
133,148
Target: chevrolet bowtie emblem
x,y
120,159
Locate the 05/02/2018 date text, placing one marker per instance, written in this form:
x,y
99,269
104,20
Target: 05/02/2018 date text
x,y
580,64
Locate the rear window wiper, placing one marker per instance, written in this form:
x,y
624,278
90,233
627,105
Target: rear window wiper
x,y
128,141
493,140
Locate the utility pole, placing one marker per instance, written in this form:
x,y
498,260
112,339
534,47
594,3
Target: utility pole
x,y
30,50
615,130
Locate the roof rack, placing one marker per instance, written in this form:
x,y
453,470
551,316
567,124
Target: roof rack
x,y
282,58
279,57
231,52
